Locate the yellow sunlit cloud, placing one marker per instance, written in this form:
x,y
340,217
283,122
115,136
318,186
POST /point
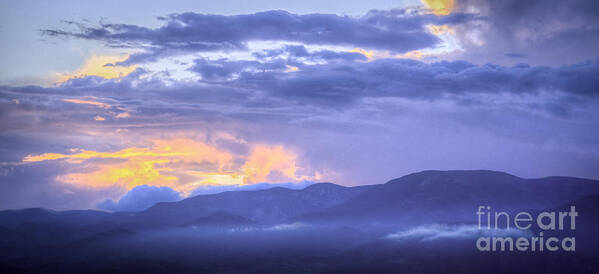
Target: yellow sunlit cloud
x,y
99,118
95,65
134,172
373,55
215,178
439,7
369,54
415,54
182,164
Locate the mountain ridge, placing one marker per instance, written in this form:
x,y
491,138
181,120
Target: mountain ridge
x,y
432,193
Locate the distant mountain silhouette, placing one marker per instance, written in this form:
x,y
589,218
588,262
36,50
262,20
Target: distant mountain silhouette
x,y
13,218
453,196
428,196
265,206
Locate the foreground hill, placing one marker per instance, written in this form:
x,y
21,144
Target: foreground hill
x,y
265,206
14,218
322,228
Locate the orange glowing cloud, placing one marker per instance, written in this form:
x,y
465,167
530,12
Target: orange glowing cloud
x,y
96,65
89,154
182,164
87,102
123,115
291,68
439,7
265,161
158,165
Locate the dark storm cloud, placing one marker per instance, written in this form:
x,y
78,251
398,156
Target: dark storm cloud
x,y
339,84
267,85
538,32
394,30
543,32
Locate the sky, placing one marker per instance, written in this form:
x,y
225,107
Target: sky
x,y
116,105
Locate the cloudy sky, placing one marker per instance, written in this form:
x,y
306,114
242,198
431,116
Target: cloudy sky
x,y
106,102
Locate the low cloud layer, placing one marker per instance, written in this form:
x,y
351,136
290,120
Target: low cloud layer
x,y
140,198
442,232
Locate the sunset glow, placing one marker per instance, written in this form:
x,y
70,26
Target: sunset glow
x,y
101,100
181,164
440,7
102,66
87,102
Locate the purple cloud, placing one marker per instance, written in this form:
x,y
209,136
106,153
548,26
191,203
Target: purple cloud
x,y
395,30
